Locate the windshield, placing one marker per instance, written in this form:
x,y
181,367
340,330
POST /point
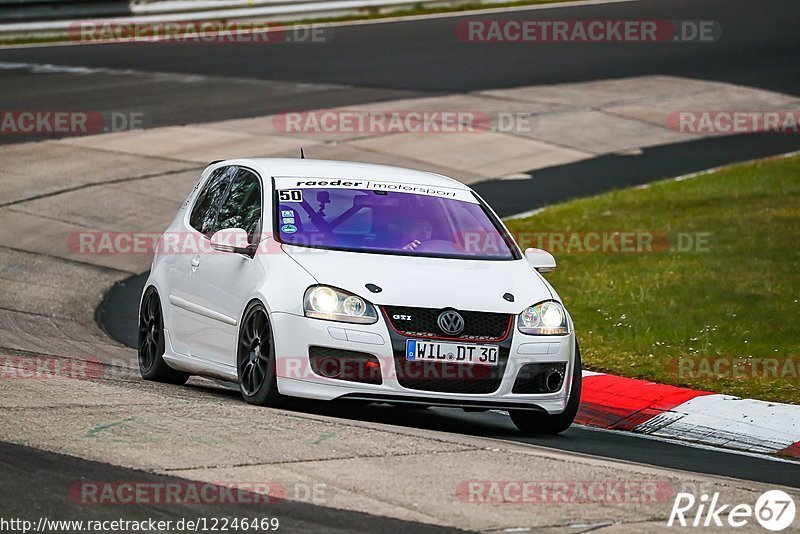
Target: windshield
x,y
389,222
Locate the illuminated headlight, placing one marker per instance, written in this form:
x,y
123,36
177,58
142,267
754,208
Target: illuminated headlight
x,y
544,319
323,302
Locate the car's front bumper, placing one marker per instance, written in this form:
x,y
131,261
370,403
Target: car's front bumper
x,y
295,334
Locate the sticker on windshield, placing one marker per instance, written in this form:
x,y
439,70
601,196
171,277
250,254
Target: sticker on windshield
x,y
380,187
290,195
288,228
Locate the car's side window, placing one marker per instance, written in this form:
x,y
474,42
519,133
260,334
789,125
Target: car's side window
x,y
241,207
205,207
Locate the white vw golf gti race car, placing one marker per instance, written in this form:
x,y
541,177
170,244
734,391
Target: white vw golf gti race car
x,y
335,280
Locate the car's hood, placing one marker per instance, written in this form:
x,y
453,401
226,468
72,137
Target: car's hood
x,y
427,282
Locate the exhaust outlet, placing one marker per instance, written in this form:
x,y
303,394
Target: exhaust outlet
x,y
329,368
553,381
541,377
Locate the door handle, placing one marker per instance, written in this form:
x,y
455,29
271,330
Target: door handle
x,y
195,263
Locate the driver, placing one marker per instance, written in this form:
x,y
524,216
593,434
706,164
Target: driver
x,y
417,233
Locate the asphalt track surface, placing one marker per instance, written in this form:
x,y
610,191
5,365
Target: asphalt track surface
x,y
759,48
37,484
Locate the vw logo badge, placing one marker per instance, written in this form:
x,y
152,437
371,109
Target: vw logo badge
x,y
450,322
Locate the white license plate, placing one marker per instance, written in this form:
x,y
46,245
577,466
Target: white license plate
x,y
419,350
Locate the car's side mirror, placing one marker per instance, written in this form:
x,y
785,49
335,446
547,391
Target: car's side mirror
x,y
539,259
233,240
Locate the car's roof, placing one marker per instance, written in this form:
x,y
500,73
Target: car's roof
x,y
321,168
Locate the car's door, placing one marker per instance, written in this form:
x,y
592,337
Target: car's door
x,y
186,318
226,281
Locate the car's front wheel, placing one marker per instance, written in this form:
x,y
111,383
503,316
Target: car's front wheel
x,y
531,422
152,343
255,358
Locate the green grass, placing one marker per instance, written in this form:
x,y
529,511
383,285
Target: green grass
x,y
636,313
367,14
421,9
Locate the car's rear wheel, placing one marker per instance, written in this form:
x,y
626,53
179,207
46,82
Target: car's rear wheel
x,y
255,358
531,422
152,343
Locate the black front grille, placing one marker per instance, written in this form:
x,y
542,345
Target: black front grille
x,y
422,323
533,378
449,377
444,377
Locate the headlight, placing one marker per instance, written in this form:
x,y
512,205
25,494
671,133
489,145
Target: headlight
x,y
323,302
544,319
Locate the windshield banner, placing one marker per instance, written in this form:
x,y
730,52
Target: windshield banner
x,y
290,184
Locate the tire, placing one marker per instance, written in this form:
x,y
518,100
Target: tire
x,y
530,422
152,343
256,369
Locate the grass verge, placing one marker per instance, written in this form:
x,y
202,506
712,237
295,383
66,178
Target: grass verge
x,y
721,315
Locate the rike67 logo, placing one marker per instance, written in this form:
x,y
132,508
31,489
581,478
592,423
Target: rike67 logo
x,y
774,510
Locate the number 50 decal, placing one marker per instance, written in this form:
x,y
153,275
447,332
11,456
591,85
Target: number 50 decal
x,y
290,195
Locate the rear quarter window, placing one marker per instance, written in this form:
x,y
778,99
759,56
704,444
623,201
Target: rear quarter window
x,y
205,207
